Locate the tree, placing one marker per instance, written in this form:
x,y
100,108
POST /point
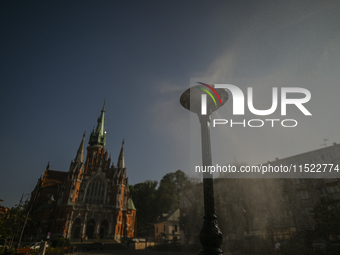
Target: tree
x,y
191,218
151,201
168,191
144,197
12,222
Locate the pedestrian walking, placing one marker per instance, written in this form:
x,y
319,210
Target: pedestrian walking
x,y
278,248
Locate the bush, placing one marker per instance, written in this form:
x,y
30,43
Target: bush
x,y
53,251
193,248
168,247
61,242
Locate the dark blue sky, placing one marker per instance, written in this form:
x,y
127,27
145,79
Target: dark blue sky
x,y
60,59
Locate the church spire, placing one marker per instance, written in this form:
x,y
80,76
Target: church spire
x,y
98,135
121,160
80,153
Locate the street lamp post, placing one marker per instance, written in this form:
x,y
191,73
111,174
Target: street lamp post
x,y
28,212
195,99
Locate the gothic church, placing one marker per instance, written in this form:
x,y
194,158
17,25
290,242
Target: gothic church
x,y
92,199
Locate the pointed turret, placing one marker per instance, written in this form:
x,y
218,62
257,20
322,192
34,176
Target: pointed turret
x,y
121,160
98,135
77,163
80,153
44,175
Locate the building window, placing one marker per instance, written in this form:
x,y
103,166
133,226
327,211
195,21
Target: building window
x,y
184,203
95,192
303,194
287,213
323,191
297,181
333,189
308,211
224,213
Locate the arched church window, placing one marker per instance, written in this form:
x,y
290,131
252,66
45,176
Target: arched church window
x,y
95,192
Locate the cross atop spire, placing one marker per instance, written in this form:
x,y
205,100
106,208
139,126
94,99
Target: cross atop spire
x,y
98,135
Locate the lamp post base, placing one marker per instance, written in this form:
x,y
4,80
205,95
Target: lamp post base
x,y
210,251
211,236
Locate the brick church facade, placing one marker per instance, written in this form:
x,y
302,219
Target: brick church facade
x,y
92,199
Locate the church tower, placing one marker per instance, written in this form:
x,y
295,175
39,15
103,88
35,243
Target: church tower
x,y
92,199
96,157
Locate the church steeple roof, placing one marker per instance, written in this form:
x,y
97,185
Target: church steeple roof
x,y
80,153
121,160
131,205
98,135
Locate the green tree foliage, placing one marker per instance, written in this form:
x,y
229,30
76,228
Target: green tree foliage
x,y
12,222
61,242
168,191
145,200
151,201
191,219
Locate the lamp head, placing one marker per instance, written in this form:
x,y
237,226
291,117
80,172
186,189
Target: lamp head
x,y
203,95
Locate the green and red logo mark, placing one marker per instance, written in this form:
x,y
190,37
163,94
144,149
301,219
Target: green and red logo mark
x,y
204,97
